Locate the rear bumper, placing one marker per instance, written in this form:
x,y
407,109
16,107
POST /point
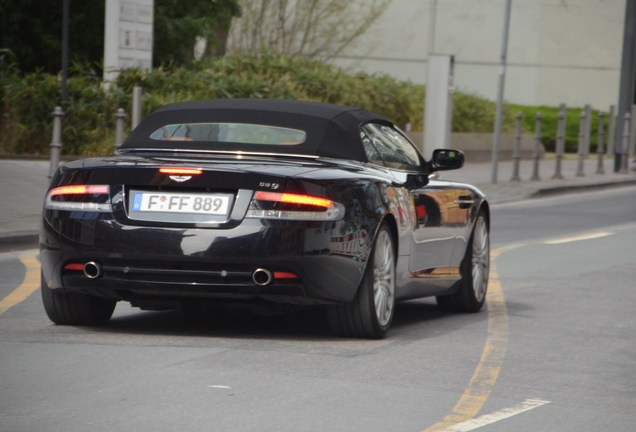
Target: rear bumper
x,y
139,263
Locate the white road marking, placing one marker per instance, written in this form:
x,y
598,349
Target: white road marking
x,y
220,387
476,423
587,236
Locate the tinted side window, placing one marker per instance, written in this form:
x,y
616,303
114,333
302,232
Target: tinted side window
x,y
369,149
390,146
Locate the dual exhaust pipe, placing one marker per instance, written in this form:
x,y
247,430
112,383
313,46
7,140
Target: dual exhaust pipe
x,y
260,277
92,270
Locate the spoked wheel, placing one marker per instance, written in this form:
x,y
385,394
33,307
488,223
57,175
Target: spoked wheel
x,y
371,313
471,294
74,308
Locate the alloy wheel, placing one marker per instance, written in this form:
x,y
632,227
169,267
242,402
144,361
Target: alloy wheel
x,y
480,259
384,278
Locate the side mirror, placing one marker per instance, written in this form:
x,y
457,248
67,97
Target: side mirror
x,y
446,159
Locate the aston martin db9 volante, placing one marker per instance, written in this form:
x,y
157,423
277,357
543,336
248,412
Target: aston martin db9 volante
x,y
263,202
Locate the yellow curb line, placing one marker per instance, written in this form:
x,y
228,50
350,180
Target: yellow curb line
x,y
29,285
487,371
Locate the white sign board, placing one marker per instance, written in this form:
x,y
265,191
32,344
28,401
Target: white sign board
x,y
127,36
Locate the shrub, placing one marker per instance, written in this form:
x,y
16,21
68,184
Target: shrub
x,y
29,99
474,114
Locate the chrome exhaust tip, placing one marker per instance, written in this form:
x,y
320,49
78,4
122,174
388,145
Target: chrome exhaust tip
x,y
262,277
92,270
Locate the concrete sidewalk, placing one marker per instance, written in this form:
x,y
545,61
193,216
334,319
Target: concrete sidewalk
x,y
480,174
23,184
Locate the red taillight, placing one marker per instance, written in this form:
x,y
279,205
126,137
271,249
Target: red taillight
x,y
181,171
293,199
79,190
289,206
74,266
285,275
91,198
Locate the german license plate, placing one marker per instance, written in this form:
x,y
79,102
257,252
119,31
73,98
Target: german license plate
x,y
170,202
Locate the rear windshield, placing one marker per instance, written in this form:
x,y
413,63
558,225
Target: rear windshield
x,y
230,133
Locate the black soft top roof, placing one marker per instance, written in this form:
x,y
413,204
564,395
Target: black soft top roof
x,y
332,130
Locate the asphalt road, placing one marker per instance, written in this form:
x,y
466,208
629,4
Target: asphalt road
x,y
555,349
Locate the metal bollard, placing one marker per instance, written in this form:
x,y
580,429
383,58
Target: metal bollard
x,y
588,130
600,149
560,144
580,172
626,140
120,118
536,152
611,133
516,154
56,140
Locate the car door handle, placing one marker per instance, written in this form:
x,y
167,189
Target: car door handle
x,y
464,202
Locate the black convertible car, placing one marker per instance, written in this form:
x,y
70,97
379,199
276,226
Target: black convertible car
x,y
263,202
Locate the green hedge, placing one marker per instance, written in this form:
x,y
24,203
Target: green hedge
x,y
550,118
28,100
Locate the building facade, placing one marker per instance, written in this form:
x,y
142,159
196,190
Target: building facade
x,y
559,51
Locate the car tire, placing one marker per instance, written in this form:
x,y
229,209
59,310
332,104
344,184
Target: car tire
x,y
371,313
471,292
69,308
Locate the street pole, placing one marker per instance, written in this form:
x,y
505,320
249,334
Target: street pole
x,y
136,106
500,92
628,70
65,24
